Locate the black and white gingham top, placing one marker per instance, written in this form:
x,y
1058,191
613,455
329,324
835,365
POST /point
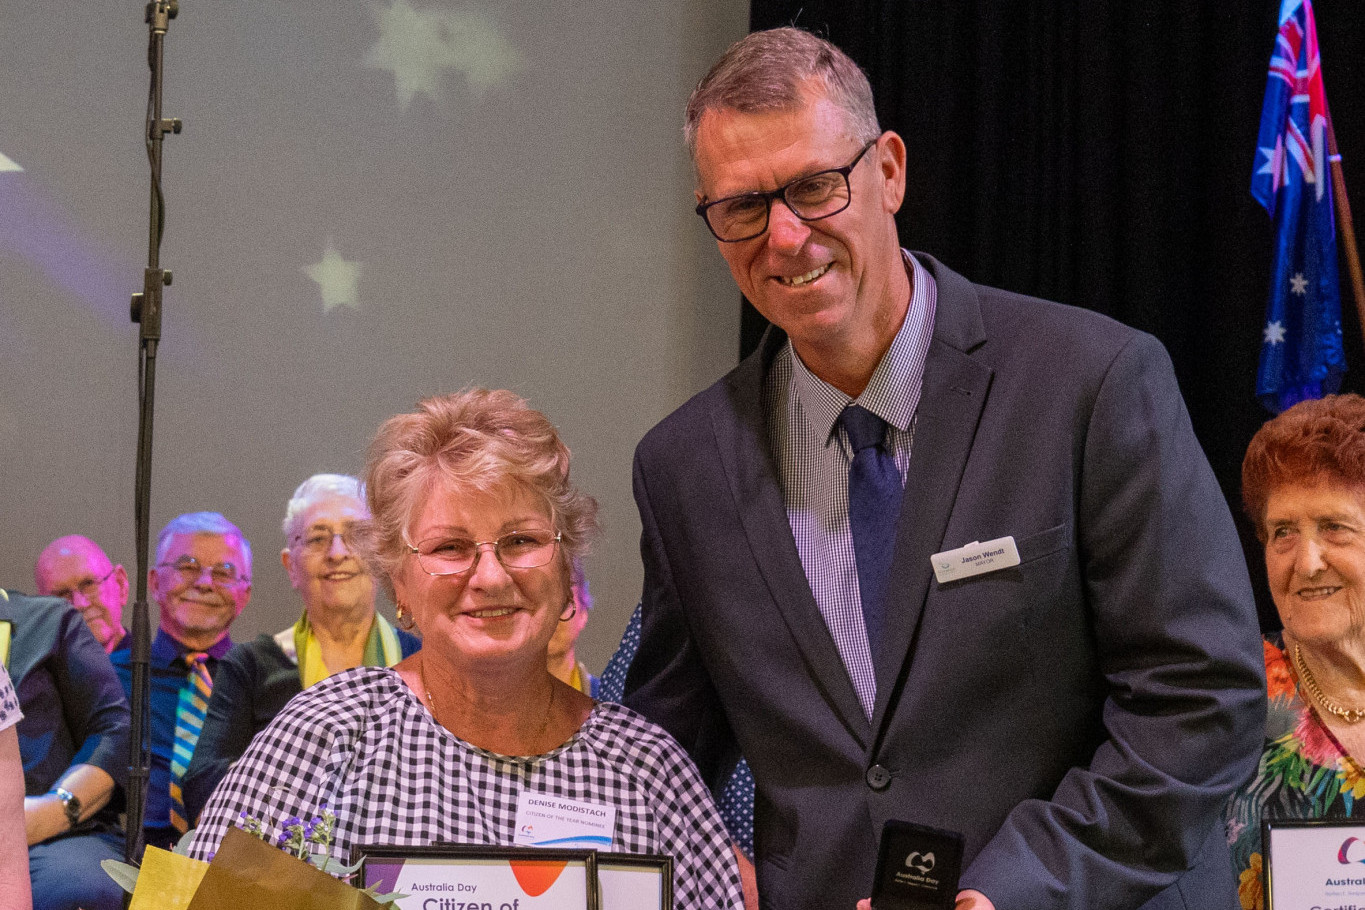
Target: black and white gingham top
x,y
364,744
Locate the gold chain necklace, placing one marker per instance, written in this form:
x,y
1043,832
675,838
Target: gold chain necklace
x,y
1350,715
431,702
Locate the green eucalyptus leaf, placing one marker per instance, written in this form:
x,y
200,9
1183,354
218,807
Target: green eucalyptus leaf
x,y
182,846
124,875
341,871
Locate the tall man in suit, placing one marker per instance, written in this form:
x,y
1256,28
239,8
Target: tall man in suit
x,y
1079,713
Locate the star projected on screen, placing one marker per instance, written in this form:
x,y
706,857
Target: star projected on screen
x,y
337,279
421,45
8,164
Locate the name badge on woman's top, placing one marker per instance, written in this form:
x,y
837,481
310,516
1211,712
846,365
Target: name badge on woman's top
x,y
544,820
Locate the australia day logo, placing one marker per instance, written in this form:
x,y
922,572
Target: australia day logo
x,y
923,863
1352,851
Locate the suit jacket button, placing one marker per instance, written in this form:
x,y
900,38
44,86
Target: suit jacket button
x,y
878,778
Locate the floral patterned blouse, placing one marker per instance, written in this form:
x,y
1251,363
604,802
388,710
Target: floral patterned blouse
x,y
1304,773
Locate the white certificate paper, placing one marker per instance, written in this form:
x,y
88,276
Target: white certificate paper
x,y
473,878
1314,865
633,881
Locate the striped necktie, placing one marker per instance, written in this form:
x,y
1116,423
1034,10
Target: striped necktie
x,y
189,722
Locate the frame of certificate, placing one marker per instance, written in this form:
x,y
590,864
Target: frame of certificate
x,y
1317,862
635,881
478,877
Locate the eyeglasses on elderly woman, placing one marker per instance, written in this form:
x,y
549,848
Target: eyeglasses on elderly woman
x,y
523,549
319,540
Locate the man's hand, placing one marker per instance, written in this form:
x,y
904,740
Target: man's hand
x,y
747,879
966,900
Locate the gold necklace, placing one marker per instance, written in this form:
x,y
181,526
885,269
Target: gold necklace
x,y
1350,715
431,702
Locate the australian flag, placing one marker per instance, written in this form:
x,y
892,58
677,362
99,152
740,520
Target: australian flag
x,y
1301,355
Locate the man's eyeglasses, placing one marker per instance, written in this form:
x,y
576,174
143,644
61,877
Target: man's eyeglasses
x,y
191,570
457,555
87,589
319,540
810,198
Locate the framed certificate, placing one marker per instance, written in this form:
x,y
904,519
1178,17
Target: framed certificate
x,y
1318,863
468,877
635,881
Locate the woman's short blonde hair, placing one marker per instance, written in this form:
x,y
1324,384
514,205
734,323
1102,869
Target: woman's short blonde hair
x,y
472,441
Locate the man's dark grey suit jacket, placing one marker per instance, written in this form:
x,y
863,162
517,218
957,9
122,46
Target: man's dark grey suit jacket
x,y
1080,718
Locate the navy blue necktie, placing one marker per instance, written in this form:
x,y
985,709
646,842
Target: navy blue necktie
x,y
874,505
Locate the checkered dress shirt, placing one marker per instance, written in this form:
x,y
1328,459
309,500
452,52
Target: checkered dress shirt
x,y
364,744
813,458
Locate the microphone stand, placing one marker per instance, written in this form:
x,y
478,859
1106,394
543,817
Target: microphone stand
x,y
146,312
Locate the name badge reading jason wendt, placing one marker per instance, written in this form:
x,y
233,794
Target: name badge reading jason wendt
x,y
975,558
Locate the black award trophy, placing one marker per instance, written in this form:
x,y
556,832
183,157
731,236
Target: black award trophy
x,y
917,868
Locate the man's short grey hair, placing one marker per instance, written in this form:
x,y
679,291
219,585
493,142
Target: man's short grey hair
x,y
768,71
315,488
202,523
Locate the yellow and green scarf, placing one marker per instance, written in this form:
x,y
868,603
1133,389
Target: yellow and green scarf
x,y
382,649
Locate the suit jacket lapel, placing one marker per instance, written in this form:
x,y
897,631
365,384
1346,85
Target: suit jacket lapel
x,y
742,440
955,389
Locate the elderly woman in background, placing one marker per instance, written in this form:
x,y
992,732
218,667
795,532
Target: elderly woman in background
x,y
339,630
474,530
1303,484
562,657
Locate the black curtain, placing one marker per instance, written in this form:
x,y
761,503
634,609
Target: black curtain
x,y
1099,153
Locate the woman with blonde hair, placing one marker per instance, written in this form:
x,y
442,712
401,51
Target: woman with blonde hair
x,y
475,525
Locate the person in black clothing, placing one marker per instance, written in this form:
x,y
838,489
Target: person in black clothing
x,y
73,740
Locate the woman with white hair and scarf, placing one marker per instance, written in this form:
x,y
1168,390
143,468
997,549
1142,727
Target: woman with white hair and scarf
x,y
339,629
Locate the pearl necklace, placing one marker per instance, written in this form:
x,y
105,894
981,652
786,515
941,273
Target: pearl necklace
x,y
1350,715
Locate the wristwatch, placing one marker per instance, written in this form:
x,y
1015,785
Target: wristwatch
x,y
71,804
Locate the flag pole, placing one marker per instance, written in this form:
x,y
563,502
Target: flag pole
x,y
1346,225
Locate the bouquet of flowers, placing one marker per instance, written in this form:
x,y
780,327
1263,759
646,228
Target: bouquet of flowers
x,y
248,871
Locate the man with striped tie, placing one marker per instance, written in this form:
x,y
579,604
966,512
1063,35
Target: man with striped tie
x,y
201,582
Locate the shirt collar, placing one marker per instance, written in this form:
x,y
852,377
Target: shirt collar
x,y
892,392
166,650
